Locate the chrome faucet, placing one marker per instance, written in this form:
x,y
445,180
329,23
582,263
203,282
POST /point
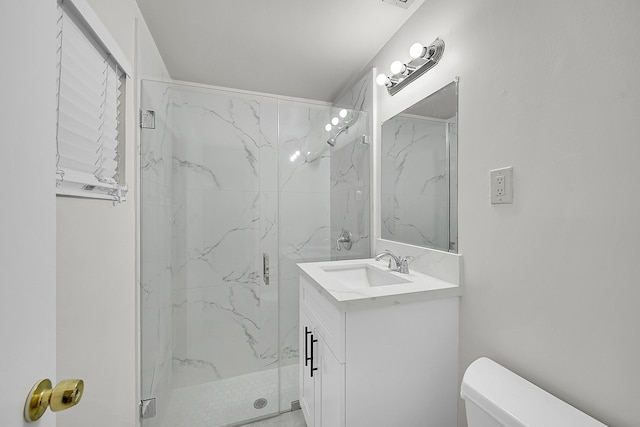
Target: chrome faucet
x,y
400,264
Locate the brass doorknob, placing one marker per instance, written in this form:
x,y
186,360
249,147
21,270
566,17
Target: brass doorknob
x,y
65,395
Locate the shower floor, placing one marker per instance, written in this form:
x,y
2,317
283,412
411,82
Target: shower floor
x,y
229,402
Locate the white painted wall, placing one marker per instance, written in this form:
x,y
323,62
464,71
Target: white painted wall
x,y
551,281
96,249
27,213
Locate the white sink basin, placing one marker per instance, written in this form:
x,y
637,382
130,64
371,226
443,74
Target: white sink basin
x,y
365,283
358,276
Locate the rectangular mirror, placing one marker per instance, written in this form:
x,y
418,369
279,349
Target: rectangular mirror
x,y
419,200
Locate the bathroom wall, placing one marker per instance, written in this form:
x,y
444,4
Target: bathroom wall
x,y
350,199
351,176
96,263
550,281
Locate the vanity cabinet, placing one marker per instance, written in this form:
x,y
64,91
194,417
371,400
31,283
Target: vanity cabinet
x,y
322,379
391,365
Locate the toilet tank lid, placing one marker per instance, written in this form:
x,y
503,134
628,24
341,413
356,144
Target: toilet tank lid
x,y
514,401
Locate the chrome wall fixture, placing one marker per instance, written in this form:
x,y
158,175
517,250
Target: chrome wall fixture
x,y
339,124
423,59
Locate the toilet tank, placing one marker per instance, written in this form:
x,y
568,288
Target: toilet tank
x,y
496,397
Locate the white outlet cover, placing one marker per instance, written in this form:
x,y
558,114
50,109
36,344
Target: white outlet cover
x,y
501,192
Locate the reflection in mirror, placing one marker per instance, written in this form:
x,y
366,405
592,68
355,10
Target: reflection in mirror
x,y
419,173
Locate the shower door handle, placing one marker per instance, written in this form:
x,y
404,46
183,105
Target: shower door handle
x,y
265,268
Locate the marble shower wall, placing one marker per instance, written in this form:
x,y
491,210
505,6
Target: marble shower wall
x,y
415,184
227,177
157,212
351,177
224,319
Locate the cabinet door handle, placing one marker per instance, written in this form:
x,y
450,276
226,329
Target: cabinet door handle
x,y
311,367
306,340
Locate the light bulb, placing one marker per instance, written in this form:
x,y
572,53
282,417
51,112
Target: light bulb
x,y
416,50
382,80
335,121
327,127
397,67
343,113
294,156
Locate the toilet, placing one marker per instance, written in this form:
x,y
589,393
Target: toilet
x,y
496,397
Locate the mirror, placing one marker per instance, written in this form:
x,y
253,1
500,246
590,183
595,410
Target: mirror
x,y
419,173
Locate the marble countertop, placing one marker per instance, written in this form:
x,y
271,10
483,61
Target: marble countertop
x,y
421,287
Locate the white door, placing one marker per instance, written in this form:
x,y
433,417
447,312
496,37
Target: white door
x,y
27,204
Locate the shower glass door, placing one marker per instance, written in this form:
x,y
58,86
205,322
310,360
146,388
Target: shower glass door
x,y
209,215
229,180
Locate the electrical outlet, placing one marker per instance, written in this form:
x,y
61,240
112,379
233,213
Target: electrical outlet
x,y
501,185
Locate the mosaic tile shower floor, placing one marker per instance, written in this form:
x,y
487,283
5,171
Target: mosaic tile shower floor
x,y
230,402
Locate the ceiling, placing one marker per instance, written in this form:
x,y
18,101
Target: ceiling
x,y
301,48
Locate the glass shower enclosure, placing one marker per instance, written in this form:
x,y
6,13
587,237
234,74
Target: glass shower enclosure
x,y
235,190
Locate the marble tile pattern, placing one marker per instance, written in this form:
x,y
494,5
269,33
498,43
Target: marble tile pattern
x,y
350,199
359,96
415,182
351,176
224,319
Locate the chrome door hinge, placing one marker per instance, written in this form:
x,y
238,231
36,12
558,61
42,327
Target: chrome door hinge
x,y
147,408
147,119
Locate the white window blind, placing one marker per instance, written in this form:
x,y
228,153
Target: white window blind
x,y
89,153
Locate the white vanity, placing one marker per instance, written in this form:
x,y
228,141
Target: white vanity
x,y
377,347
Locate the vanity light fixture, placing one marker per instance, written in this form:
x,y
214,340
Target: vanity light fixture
x,y
423,59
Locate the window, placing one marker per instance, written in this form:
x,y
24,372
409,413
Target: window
x,y
90,137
